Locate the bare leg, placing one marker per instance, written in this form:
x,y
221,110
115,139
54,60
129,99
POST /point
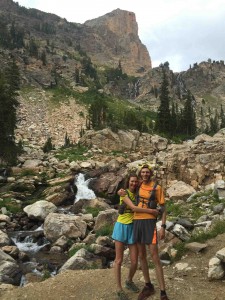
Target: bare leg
x,y
158,267
143,260
119,246
133,260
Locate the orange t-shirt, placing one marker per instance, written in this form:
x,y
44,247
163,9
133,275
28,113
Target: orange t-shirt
x,y
145,192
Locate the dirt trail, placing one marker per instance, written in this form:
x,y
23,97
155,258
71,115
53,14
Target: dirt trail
x,y
99,284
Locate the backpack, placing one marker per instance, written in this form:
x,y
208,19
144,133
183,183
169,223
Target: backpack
x,y
123,207
152,198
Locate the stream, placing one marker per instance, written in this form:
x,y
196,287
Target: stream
x,y
36,246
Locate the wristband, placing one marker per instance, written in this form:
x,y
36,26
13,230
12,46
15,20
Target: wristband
x,y
163,226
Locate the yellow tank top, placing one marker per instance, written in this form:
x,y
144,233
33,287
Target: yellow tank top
x,y
128,215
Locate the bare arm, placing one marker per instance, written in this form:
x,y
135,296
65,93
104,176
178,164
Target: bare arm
x,y
162,230
135,208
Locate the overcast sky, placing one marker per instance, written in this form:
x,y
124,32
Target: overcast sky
x,y
181,32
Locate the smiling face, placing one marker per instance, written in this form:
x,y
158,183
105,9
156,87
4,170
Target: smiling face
x,y
133,183
145,175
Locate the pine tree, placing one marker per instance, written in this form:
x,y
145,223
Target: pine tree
x,y
9,85
174,120
202,120
163,119
97,112
222,117
43,58
214,123
48,146
189,119
67,141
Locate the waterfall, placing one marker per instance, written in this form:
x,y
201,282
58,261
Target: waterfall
x,y
83,192
28,245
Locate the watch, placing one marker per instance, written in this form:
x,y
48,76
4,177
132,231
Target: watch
x,y
163,226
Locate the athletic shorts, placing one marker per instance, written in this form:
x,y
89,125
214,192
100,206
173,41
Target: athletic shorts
x,y
123,233
145,231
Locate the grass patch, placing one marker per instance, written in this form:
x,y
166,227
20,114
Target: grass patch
x,y
174,209
151,265
46,275
78,247
202,237
93,210
74,153
181,250
28,172
217,228
10,205
61,94
105,231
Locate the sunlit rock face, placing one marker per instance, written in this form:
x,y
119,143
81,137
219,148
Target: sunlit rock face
x,y
117,39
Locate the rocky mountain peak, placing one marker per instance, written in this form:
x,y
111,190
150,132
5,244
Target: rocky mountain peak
x,y
118,32
118,21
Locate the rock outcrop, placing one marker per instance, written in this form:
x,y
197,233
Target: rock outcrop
x,y
117,40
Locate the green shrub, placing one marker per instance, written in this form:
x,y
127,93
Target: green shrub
x,y
93,210
181,250
11,205
72,153
78,247
46,275
28,172
48,146
217,228
173,209
105,231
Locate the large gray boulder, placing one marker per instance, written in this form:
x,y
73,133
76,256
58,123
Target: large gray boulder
x,y
57,225
40,209
9,270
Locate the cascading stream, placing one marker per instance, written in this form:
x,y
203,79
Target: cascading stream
x,y
83,192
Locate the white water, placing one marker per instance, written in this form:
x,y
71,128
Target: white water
x,y
83,192
28,245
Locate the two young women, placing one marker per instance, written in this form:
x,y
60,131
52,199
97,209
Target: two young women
x,y
139,231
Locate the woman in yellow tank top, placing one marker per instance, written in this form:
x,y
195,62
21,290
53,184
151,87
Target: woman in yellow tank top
x,y
123,235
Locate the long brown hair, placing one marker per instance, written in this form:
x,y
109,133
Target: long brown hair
x,y
126,184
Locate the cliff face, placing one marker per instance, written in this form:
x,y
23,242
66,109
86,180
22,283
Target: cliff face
x,y
116,39
107,40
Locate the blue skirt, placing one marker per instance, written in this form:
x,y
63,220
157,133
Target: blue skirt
x,y
123,233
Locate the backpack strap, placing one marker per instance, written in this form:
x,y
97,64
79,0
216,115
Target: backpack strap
x,y
137,197
152,196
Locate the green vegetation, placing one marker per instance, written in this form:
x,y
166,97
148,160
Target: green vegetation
x,y
78,247
48,146
93,210
9,86
217,228
174,209
27,172
11,205
105,231
172,121
105,111
11,35
46,275
181,250
72,153
61,94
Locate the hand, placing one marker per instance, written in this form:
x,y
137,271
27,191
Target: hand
x,y
162,233
155,212
121,192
